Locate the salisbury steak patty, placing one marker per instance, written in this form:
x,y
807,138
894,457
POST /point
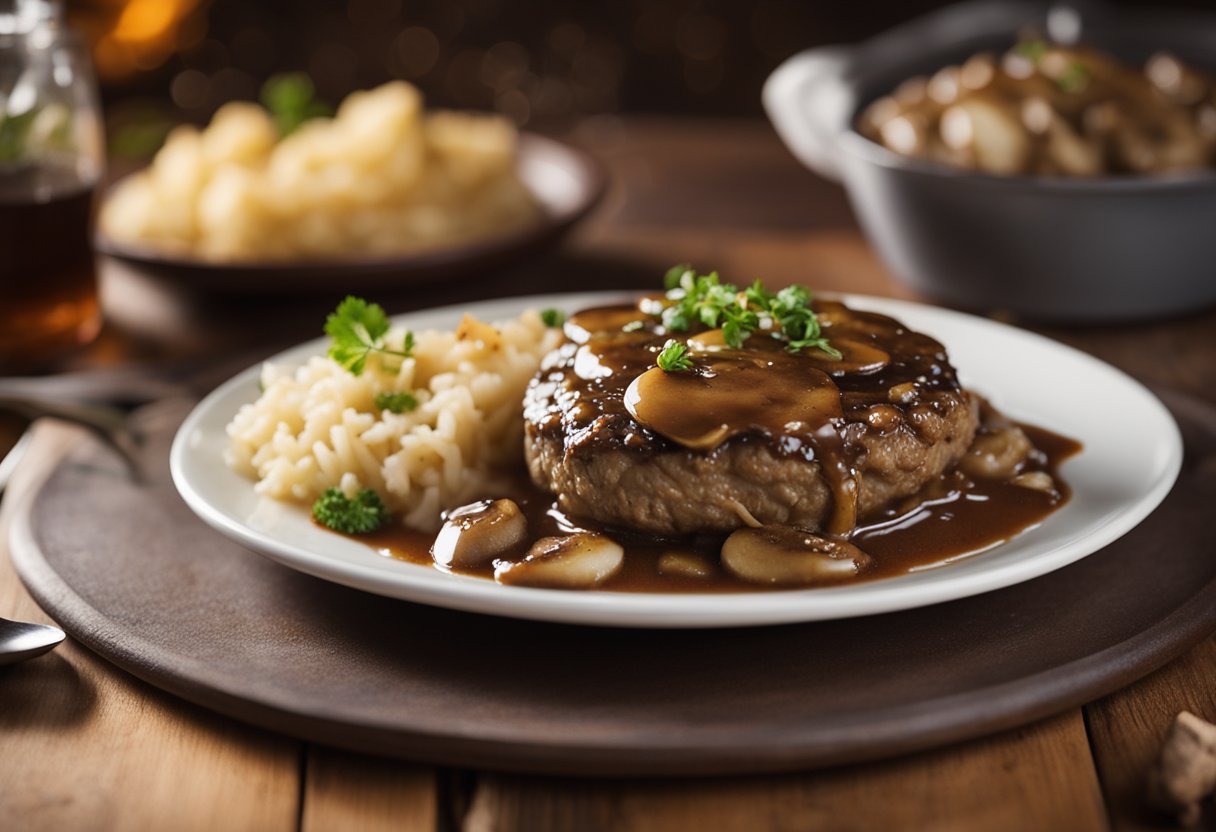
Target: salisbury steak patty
x,y
897,420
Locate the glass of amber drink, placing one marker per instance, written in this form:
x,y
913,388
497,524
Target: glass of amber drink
x,y
51,160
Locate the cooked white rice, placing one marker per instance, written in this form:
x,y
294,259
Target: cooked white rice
x,y
316,426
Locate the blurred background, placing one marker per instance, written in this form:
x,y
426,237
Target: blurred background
x,y
546,64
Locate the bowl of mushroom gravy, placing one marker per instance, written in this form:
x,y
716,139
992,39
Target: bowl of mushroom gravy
x,y
1008,158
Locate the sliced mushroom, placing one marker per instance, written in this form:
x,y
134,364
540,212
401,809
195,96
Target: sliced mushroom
x,y
701,411
907,134
1068,152
577,561
984,125
1036,480
790,555
856,358
685,565
477,533
996,454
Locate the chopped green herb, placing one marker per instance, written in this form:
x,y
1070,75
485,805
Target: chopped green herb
x,y
1032,50
674,275
363,514
14,134
632,326
140,137
358,329
396,402
291,100
552,318
674,357
706,300
1073,79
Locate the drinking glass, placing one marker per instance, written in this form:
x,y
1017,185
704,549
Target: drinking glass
x,y
51,160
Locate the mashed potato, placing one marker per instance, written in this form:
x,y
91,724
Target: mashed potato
x,y
382,177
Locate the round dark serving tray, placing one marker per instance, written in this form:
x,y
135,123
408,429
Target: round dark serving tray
x,y
130,572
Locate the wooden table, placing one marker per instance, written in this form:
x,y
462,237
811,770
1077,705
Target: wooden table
x,y
86,746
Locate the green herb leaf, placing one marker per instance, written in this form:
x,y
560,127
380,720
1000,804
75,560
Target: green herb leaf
x,y
14,135
707,301
672,279
816,344
676,318
358,329
290,98
364,513
674,357
552,318
759,296
396,402
1073,79
1032,50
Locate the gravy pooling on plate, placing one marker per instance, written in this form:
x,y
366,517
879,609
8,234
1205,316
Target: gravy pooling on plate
x,y
950,523
769,460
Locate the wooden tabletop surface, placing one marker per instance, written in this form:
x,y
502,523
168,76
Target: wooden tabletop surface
x,y
85,746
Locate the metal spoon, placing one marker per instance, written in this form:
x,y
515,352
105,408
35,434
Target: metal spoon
x,y
20,640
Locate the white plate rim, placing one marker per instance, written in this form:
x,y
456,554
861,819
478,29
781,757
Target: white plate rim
x,y
425,585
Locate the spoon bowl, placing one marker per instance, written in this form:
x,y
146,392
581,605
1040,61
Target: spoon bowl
x,y
20,640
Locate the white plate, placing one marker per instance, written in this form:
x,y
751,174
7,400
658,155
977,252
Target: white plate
x,y
1131,457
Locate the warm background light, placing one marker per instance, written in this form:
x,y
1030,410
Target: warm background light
x,y
130,36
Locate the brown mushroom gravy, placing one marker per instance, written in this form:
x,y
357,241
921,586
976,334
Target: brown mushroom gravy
x,y
807,405
1055,110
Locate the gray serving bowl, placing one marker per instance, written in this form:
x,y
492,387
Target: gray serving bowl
x,y
1047,248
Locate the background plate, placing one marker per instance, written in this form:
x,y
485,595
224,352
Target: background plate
x,y
1126,468
568,183
134,575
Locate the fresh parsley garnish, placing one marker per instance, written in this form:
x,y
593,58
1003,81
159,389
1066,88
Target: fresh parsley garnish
x,y
362,514
674,357
675,274
358,329
14,134
396,402
1074,78
552,318
291,99
1032,50
706,300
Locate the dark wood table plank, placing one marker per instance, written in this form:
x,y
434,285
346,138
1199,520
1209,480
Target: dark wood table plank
x,y
1039,778
353,791
1126,730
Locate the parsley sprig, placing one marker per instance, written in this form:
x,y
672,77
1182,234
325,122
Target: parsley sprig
x,y
1032,49
673,358
552,318
358,329
1075,76
291,100
1073,79
396,402
706,300
362,514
